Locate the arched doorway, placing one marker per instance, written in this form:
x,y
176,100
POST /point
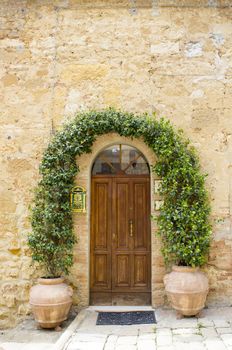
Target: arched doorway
x,y
120,267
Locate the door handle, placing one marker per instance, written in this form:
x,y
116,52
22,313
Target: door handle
x,y
131,227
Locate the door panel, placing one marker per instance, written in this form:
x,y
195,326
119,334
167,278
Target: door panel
x,y
101,209
120,239
140,270
121,202
141,215
122,270
100,270
100,267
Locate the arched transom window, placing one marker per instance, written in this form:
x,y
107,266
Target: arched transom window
x,y
120,160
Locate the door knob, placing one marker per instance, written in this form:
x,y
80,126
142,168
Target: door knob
x,y
131,227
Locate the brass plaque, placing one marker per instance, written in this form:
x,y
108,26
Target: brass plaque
x,y
78,199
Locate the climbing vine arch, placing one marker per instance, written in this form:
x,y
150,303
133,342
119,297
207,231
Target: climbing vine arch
x,y
183,223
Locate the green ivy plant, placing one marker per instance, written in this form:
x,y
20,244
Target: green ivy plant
x,y
183,223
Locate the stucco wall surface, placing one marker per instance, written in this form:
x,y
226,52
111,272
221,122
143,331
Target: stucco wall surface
x,y
59,57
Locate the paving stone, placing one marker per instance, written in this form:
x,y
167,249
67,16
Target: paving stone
x,y
90,337
209,332
146,336
109,346
111,342
219,313
205,322
165,314
187,338
24,346
103,329
126,347
127,340
227,339
163,339
168,323
147,328
186,323
112,338
11,346
118,330
164,331
175,323
85,346
192,346
221,323
185,331
146,344
37,346
224,330
214,344
126,330
167,347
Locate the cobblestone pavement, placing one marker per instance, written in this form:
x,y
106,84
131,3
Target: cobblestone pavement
x,y
212,331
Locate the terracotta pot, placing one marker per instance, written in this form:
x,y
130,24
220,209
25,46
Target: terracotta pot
x,y
187,289
51,300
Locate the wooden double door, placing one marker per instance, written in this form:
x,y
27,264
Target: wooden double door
x,y
120,241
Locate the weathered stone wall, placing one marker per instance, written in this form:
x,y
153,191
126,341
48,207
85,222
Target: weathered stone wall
x,y
57,57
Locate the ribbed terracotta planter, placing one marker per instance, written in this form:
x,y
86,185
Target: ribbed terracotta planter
x,y
187,288
51,300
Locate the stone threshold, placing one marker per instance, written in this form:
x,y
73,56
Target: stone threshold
x,y
118,308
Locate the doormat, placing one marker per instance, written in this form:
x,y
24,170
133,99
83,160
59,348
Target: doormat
x,y
125,318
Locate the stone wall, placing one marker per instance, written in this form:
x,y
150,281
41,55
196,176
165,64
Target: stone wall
x,y
61,56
